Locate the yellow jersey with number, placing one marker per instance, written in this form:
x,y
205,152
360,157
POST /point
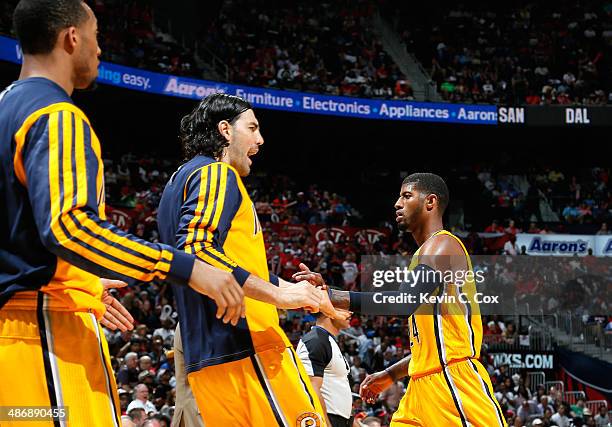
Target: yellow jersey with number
x,y
447,330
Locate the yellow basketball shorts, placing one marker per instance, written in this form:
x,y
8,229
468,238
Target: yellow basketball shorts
x,y
56,359
270,388
459,396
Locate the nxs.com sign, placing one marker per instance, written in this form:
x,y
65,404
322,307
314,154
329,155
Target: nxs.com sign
x,y
527,360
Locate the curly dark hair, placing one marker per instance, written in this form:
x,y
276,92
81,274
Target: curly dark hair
x,y
199,132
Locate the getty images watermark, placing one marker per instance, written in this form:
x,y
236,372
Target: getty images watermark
x,y
405,278
489,285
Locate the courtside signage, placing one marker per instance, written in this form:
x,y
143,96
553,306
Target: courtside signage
x,y
524,359
300,102
565,244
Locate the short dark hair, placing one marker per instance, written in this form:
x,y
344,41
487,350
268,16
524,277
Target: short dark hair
x,y
37,23
136,413
430,183
199,133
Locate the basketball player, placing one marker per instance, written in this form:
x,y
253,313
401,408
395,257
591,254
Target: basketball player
x,y
448,387
54,239
244,374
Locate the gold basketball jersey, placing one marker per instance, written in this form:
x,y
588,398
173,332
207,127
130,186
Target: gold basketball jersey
x,y
449,329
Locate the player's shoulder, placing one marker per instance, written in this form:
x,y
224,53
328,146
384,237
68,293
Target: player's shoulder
x,y
202,172
35,97
207,165
444,243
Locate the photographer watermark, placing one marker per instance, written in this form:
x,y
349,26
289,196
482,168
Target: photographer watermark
x,y
488,285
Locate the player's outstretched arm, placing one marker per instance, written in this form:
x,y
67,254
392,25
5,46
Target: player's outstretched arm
x,y
366,302
378,382
286,295
316,279
441,254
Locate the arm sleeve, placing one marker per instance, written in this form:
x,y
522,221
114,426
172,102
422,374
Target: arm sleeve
x,y
319,354
274,279
212,199
64,177
403,302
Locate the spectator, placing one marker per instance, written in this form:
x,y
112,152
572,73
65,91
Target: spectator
x,y
128,373
526,410
351,271
392,396
141,400
510,247
509,335
494,227
544,405
357,371
371,422
603,230
512,228
146,365
137,415
324,242
602,419
560,418
124,400
167,330
577,410
126,421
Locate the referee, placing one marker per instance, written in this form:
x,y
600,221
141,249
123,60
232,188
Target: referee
x,y
328,369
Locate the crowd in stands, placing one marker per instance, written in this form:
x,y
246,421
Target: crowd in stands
x,y
326,47
535,53
525,52
548,195
129,36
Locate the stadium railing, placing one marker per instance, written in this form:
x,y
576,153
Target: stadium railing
x,y
579,335
594,405
572,397
535,379
539,340
559,386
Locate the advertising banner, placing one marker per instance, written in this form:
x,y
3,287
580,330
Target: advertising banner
x,y
565,244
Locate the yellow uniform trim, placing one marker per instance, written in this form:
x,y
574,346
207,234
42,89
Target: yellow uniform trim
x,y
58,217
21,134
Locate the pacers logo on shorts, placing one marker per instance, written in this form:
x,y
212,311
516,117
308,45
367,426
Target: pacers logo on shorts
x,y
309,419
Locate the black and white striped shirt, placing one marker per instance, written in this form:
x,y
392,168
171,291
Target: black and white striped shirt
x,y
322,357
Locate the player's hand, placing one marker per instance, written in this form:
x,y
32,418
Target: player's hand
x,y
222,287
116,316
299,295
313,278
373,385
330,311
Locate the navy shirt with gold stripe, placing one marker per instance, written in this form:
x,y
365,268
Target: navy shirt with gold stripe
x,y
205,210
53,232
